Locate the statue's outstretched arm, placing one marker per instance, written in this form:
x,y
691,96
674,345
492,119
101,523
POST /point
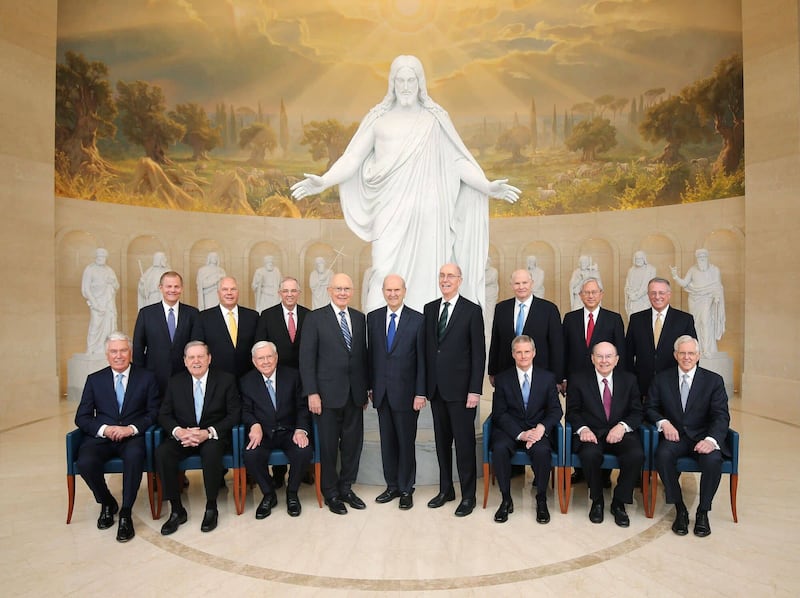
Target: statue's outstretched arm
x,y
499,189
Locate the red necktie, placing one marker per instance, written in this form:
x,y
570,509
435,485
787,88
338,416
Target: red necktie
x,y
589,329
292,327
606,398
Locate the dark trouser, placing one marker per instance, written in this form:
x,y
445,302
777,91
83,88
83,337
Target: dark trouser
x,y
170,453
629,453
667,455
92,457
341,435
453,421
504,447
256,460
398,434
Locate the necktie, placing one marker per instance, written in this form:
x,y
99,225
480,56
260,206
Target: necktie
x,y
390,333
198,400
657,328
684,390
526,390
520,319
606,398
271,391
232,327
292,327
348,340
589,329
171,323
119,389
443,320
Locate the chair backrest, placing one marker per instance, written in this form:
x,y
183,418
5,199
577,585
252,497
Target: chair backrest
x,y
521,458
571,459
232,459
115,465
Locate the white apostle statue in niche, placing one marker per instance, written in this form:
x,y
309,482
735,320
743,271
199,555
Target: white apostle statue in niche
x,y
408,184
148,290
318,282
99,287
208,278
639,276
266,281
537,275
586,269
703,282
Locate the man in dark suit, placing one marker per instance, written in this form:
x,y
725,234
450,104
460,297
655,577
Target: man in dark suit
x,y
333,369
525,409
396,341
162,331
455,355
604,409
539,320
229,330
275,414
652,333
199,410
689,406
118,404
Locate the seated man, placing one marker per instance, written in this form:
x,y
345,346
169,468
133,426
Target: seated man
x,y
604,408
689,406
275,414
525,410
199,411
118,404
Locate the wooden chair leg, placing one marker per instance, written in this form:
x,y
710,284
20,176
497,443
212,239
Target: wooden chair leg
x,y
70,496
648,507
317,482
151,482
486,475
241,484
653,491
566,484
734,489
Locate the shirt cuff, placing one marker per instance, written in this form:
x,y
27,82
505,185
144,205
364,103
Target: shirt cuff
x,y
173,433
301,431
212,431
627,427
712,441
660,424
134,428
101,431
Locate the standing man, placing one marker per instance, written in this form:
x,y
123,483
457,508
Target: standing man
x,y
652,333
455,357
396,341
118,404
162,331
605,410
333,369
198,412
525,410
529,315
275,414
689,406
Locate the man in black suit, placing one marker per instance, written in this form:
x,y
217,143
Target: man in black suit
x,y
604,409
199,410
162,331
229,330
118,404
333,369
689,406
455,355
652,333
525,409
539,320
396,341
275,414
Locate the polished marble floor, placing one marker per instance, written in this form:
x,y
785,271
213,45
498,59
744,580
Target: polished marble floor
x,y
383,550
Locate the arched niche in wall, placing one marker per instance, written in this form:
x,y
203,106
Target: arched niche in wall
x,y
662,252
139,258
313,252
258,252
495,262
364,275
198,256
603,255
545,259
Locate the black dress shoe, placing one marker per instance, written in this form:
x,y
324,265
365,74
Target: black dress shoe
x,y
387,496
209,520
441,498
506,507
293,504
542,513
125,530
681,524
107,513
336,506
702,527
465,507
176,518
264,509
406,500
596,512
620,516
351,499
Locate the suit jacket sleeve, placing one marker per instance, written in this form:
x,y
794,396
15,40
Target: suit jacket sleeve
x,y
477,351
555,341
421,381
167,418
139,339
308,353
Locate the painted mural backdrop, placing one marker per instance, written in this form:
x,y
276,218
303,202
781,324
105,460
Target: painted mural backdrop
x,y
221,105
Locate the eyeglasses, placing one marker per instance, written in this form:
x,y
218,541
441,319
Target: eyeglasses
x,y
590,293
683,354
343,289
443,276
290,291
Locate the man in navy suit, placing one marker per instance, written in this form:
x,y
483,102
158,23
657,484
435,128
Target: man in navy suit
x,y
525,409
275,415
455,355
652,333
118,404
689,407
199,410
604,409
396,341
333,369
162,331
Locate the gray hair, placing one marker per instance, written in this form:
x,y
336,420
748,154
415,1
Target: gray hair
x,y
522,338
191,344
592,279
117,336
261,345
686,338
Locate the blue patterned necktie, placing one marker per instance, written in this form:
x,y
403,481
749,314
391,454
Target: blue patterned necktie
x,y
119,390
198,400
348,339
391,332
171,324
520,319
526,390
271,391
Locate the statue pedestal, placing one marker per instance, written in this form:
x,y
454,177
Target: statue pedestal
x,y
722,364
79,366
